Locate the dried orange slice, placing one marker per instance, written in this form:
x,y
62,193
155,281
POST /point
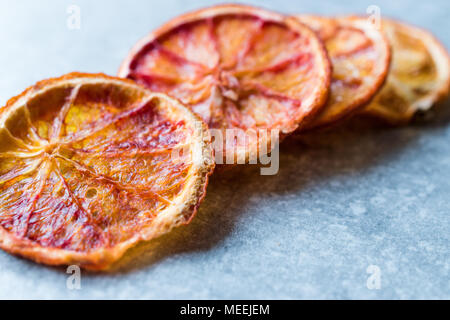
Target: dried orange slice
x,y
360,57
90,165
238,67
419,76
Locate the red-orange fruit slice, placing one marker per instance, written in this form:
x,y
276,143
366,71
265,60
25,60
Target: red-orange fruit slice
x,y
238,67
419,76
90,165
360,57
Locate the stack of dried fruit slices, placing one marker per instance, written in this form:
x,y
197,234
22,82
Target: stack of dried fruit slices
x,y
90,164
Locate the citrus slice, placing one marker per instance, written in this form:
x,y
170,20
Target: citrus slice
x,y
90,165
419,76
238,67
360,57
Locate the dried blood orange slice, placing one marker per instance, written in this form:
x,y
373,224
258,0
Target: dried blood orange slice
x,y
419,76
360,57
90,165
238,67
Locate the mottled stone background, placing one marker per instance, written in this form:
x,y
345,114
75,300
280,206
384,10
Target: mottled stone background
x,y
359,195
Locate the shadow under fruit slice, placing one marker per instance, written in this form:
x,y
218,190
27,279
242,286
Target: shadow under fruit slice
x,y
90,165
360,57
419,75
238,67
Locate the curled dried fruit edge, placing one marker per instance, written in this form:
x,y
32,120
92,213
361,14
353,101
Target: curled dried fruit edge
x,y
90,165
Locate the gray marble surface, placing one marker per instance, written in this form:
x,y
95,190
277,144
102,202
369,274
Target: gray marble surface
x,y
359,195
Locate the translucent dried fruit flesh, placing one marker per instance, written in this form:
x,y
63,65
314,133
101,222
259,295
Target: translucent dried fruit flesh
x,y
237,67
360,57
419,75
90,165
